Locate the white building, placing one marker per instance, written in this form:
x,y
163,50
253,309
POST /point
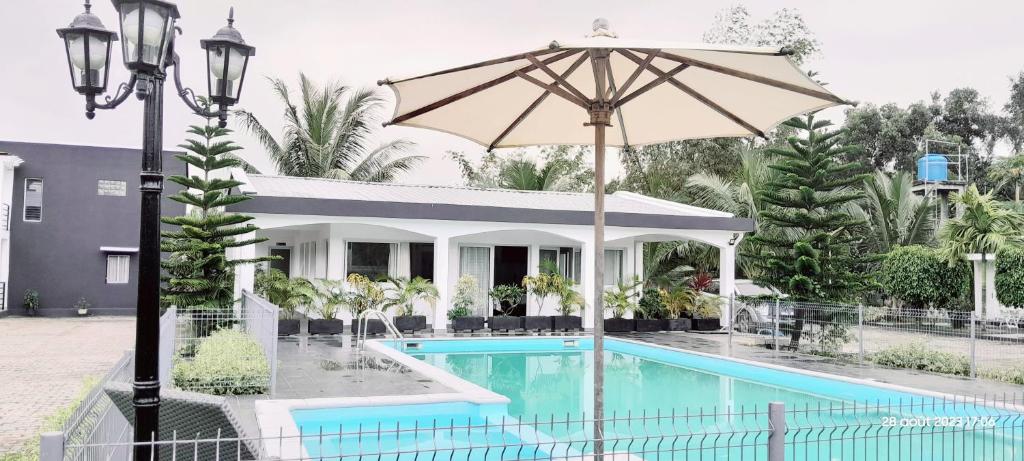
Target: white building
x,y
329,228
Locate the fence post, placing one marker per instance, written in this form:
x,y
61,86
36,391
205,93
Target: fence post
x,y
860,329
775,322
974,340
777,431
51,446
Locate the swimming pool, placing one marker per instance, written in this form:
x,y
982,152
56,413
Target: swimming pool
x,y
649,391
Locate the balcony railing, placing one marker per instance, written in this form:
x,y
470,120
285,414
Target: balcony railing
x,y
5,217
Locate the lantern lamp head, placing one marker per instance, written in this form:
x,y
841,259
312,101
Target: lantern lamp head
x,y
147,28
227,58
87,45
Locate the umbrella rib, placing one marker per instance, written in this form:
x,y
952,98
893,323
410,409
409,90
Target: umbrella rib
x,y
618,112
489,62
476,89
554,89
632,78
558,78
536,103
662,78
752,77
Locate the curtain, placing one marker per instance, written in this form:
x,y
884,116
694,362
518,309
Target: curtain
x,y
393,260
476,261
612,267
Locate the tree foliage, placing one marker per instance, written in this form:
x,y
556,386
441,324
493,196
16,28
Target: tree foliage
x,y
330,134
899,217
198,273
561,168
920,277
1010,277
784,29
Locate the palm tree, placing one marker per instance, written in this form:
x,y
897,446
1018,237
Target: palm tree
x,y
330,135
740,195
1009,172
525,174
406,292
898,217
984,227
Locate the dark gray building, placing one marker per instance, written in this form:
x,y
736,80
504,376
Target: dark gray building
x,y
73,225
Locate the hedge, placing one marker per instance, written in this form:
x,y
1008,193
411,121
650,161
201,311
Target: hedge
x,y
919,356
1010,277
227,362
920,277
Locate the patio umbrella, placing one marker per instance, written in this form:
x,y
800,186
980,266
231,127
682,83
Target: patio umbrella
x,y
603,91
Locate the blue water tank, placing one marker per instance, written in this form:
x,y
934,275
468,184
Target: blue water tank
x,y
933,167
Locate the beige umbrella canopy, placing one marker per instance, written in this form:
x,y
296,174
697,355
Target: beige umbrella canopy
x,y
602,90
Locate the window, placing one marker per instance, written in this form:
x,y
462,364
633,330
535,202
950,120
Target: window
x,y
612,267
373,260
421,260
567,259
33,200
117,269
112,188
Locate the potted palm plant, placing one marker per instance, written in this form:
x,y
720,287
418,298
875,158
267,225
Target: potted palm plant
x,y
328,297
405,294
82,305
679,303
365,295
461,311
31,302
570,302
287,294
620,300
707,313
506,297
651,311
543,285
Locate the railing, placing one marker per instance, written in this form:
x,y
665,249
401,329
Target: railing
x,y
3,296
259,320
5,217
982,429
98,422
363,326
868,334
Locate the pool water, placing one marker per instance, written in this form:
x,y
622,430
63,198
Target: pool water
x,y
658,390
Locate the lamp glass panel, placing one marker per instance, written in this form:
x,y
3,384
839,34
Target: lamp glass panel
x,y
154,28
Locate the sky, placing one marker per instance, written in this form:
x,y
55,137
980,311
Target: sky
x,y
876,51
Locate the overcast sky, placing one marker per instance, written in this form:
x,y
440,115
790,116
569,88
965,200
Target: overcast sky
x,y
873,50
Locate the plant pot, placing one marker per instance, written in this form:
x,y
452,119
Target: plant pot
x,y
411,323
467,323
706,324
567,323
650,325
683,324
505,323
287,327
83,312
373,327
537,323
619,325
326,327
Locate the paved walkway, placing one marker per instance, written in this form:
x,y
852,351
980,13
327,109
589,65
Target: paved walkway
x,y
44,362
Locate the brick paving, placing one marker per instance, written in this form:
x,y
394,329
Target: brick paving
x,y
44,362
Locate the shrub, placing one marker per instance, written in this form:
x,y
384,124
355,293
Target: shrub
x,y
680,302
919,356
1010,277
464,297
227,362
620,299
570,301
920,277
31,300
652,304
1014,375
507,296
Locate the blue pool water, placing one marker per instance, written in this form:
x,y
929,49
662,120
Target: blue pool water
x,y
660,391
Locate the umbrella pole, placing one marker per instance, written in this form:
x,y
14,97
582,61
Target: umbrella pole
x,y
599,291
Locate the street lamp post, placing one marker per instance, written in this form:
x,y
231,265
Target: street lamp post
x,y
147,44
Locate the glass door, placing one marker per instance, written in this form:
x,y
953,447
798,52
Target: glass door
x,y
476,261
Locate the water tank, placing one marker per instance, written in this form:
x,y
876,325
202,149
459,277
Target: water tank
x,y
933,167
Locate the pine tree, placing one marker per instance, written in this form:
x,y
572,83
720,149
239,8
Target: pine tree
x,y
198,276
809,246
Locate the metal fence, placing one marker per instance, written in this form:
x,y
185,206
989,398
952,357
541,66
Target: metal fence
x,y
866,333
5,217
97,422
923,429
183,330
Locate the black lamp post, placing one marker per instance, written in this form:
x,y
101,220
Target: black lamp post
x,y
147,45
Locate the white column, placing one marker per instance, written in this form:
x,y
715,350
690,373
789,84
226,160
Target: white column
x,y
638,259
245,274
335,253
443,281
727,279
533,269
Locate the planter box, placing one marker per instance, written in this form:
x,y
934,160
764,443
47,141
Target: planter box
x,y
567,323
651,325
537,323
326,327
411,323
619,325
506,323
682,324
373,327
467,324
287,327
707,324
